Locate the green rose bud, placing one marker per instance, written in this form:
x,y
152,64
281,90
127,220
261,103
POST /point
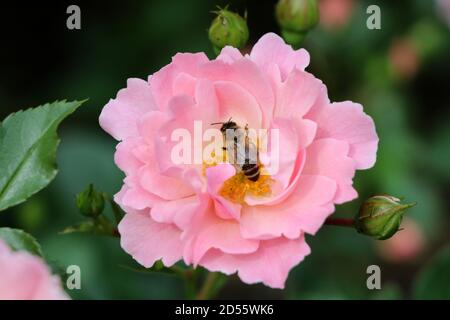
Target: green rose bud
x,y
228,29
380,216
296,18
90,202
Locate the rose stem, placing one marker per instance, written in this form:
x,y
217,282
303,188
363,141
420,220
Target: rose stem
x,y
343,222
207,286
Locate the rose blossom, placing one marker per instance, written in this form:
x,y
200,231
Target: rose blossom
x,y
335,14
26,277
205,214
443,9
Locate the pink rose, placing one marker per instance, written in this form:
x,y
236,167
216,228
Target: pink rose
x,y
207,216
335,14
404,58
443,9
26,277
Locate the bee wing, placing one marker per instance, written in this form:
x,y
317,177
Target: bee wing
x,y
231,151
251,153
246,153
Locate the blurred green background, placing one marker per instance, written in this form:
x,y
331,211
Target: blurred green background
x,y
401,74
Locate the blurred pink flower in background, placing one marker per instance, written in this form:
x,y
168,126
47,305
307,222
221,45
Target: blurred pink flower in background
x,y
335,13
406,245
404,58
443,9
209,215
26,277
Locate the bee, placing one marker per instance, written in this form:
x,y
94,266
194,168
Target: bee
x,y
242,153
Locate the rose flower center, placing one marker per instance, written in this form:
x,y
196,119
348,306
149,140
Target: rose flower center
x,y
252,180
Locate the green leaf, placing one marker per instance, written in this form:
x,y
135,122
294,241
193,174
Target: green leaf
x,y
19,240
28,143
433,281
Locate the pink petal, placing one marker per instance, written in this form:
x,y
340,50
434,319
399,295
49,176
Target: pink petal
x,y
306,130
184,113
288,149
166,187
124,157
207,102
271,49
346,121
246,74
229,55
208,231
26,277
178,212
216,176
133,195
162,81
270,264
148,241
119,117
328,157
149,125
238,104
281,195
304,210
184,84
296,96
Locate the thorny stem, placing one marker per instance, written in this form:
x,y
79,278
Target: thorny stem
x,y
190,277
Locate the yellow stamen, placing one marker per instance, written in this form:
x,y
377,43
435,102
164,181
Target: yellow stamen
x,y
238,186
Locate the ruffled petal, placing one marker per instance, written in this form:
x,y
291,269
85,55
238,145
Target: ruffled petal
x,y
246,74
216,176
119,117
162,82
270,264
271,49
208,231
329,158
297,95
229,54
238,104
346,121
148,241
26,277
304,210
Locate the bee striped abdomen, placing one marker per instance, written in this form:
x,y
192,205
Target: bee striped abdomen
x,y
251,171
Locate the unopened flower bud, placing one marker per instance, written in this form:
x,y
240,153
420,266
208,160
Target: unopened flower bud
x,y
296,18
380,216
228,29
90,202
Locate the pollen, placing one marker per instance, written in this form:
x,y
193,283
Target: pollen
x,y
238,186
213,160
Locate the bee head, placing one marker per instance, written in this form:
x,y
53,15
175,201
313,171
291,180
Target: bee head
x,y
226,125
